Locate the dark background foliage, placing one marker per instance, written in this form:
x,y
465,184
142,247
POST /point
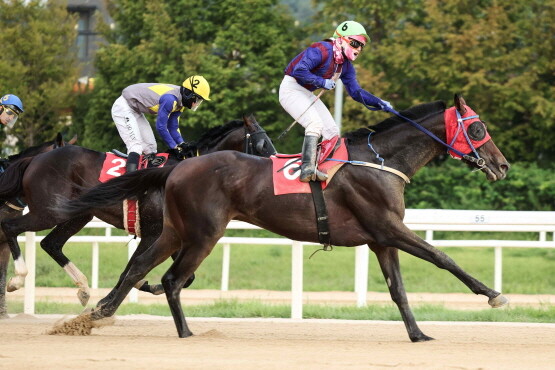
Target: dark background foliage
x,y
498,54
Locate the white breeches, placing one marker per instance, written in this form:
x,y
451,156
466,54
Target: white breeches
x,y
295,99
133,128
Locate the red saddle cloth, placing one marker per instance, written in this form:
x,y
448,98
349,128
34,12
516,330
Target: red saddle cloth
x,y
286,168
114,166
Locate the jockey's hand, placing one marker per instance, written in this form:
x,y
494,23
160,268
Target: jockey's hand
x,y
183,146
329,84
386,106
176,152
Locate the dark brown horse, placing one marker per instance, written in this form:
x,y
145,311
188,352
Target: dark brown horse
x,y
365,206
12,206
68,172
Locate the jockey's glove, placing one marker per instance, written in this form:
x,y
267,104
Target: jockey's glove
x,y
329,84
385,105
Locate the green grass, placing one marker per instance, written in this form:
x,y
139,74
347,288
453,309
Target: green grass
x,y
236,309
525,270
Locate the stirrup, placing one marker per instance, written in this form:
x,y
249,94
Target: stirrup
x,y
313,175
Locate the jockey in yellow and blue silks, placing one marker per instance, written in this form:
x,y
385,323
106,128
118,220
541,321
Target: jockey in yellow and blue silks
x,y
167,102
317,67
10,109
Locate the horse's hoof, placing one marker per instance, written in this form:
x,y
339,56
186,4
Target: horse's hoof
x,y
421,338
14,284
186,334
157,289
96,314
498,301
83,295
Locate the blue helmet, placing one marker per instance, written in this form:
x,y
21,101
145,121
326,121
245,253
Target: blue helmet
x,y
13,102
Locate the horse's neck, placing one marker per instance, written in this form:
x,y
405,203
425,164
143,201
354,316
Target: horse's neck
x,y
408,149
234,140
31,153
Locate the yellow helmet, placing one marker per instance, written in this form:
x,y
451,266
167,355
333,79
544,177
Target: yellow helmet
x,y
198,85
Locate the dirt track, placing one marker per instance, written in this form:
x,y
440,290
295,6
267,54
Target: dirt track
x,y
151,343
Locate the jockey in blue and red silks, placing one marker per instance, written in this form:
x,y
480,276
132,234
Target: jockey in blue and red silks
x,y
317,67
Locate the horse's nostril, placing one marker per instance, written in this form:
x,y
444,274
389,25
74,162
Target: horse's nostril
x,y
505,167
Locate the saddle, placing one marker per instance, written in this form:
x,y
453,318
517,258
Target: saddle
x,y
147,161
286,171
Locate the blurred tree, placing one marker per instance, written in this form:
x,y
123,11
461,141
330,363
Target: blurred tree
x,y
241,48
38,62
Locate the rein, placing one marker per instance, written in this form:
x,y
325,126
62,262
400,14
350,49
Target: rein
x,y
478,160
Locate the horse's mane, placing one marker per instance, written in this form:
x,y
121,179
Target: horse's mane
x,y
32,149
213,135
416,113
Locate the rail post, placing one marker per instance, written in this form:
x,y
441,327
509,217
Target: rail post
x,y
30,257
296,280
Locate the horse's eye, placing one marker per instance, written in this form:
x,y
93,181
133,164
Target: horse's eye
x,y
477,131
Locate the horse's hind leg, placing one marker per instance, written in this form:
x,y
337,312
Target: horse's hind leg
x,y
137,269
389,263
4,260
53,244
191,256
409,242
146,241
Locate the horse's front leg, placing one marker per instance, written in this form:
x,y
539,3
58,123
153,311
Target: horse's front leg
x,y
53,244
404,239
20,268
388,259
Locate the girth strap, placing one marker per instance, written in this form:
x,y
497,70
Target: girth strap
x,y
321,214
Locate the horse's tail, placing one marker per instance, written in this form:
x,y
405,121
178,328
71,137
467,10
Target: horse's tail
x,y
115,190
11,180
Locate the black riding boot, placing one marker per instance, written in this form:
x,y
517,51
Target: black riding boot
x,y
132,162
309,172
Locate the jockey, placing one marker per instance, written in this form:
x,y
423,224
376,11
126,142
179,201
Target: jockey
x,y
10,109
316,67
167,102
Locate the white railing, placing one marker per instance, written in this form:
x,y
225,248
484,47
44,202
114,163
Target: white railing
x,y
427,220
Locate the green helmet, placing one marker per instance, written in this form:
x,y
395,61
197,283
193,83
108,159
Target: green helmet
x,y
350,28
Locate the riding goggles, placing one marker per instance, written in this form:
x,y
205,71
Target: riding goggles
x,y
355,44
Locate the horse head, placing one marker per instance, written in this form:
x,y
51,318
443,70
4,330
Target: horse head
x,y
472,138
257,141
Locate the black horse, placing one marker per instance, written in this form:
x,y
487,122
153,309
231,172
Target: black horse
x,y
68,172
12,206
365,206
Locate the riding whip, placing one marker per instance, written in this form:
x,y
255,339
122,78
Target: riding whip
x,y
334,78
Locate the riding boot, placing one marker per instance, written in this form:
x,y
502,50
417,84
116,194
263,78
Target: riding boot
x,y
309,172
132,162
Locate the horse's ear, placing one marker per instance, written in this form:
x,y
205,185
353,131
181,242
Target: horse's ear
x,y
73,140
59,140
460,104
249,119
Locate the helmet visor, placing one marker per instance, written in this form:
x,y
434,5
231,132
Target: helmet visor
x,y
10,116
198,101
